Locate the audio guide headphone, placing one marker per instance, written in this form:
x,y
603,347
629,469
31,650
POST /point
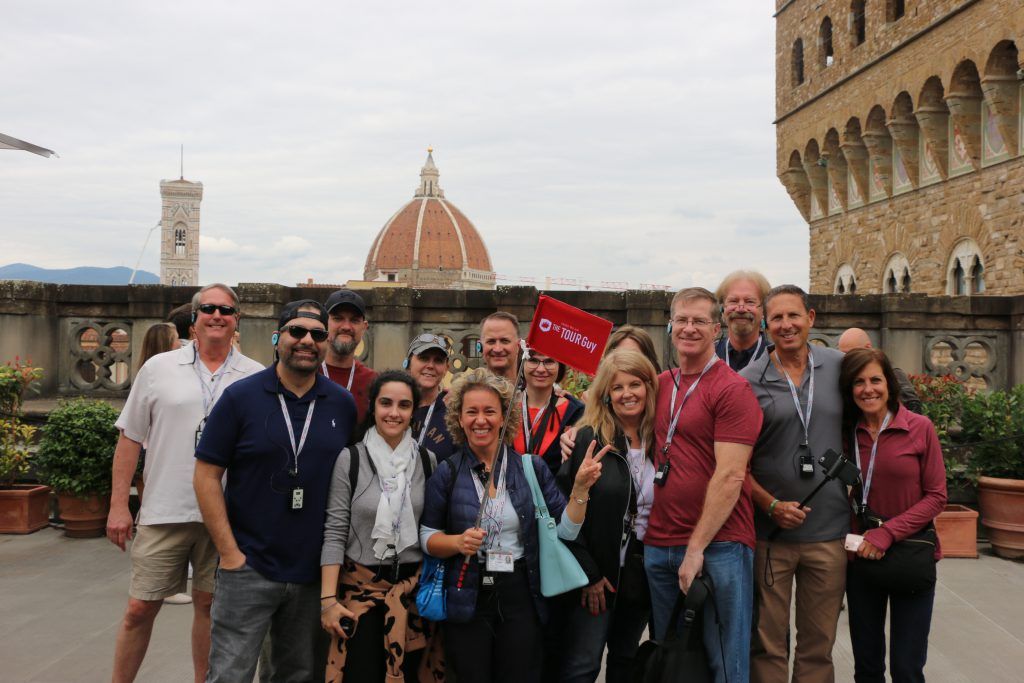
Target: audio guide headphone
x,y
274,338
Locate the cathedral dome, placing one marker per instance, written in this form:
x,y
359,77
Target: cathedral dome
x,y
430,243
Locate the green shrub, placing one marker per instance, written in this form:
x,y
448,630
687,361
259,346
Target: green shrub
x,y
77,448
993,425
16,377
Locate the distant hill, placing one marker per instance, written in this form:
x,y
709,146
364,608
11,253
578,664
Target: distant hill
x,y
85,275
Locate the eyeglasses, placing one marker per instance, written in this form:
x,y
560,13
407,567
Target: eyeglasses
x,y
209,309
696,322
747,303
549,363
298,332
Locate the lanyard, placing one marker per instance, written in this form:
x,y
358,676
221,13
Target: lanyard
x,y
426,422
348,385
757,349
495,506
291,432
871,462
529,432
637,470
672,409
805,420
210,392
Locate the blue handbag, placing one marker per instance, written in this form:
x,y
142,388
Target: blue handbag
x,y
430,597
559,570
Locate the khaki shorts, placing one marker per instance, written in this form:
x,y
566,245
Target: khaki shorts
x,y
161,554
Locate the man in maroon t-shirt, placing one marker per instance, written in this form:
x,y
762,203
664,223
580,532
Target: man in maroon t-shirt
x,y
346,326
702,520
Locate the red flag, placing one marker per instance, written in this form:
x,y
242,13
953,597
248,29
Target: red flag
x,y
568,335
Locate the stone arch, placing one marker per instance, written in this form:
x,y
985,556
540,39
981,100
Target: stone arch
x,y
963,224
965,269
879,147
797,62
845,249
858,22
932,116
1001,92
963,98
180,239
905,132
826,51
896,275
845,280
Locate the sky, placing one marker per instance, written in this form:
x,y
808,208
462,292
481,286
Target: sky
x,y
625,141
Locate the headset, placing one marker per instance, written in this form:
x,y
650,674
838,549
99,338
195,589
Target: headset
x,y
479,346
274,338
607,400
193,317
405,364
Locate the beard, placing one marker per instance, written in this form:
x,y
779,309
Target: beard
x,y
303,366
742,324
344,348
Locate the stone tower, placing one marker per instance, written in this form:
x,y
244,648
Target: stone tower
x,y
899,138
179,232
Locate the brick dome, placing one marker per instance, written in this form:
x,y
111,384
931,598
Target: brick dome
x,y
430,243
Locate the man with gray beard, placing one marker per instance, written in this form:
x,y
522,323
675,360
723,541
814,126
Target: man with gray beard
x,y
346,326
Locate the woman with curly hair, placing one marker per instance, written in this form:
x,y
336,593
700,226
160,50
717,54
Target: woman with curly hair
x,y
496,613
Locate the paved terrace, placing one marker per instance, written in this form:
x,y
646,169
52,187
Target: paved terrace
x,y
61,602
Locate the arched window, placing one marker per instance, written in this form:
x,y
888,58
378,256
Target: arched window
x,y
179,240
894,9
825,52
896,275
965,273
857,22
846,281
798,62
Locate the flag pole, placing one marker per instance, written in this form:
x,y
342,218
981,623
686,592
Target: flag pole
x,y
496,469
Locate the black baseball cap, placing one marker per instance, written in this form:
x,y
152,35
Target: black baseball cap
x,y
346,296
291,312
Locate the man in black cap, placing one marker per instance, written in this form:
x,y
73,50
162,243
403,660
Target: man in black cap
x,y
276,434
346,328
427,362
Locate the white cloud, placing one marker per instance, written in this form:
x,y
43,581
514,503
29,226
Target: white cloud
x,y
602,140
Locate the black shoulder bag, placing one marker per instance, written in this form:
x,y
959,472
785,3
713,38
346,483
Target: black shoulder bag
x,y
680,656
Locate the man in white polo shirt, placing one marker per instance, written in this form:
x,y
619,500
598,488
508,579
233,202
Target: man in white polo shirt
x,y
170,399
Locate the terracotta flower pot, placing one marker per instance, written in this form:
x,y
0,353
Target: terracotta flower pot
x,y
24,508
1002,513
83,517
957,527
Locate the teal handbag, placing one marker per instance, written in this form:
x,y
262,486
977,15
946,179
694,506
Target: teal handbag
x,y
559,570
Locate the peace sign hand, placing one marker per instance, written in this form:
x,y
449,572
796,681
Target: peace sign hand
x,y
590,469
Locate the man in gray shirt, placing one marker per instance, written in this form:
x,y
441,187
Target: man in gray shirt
x,y
797,387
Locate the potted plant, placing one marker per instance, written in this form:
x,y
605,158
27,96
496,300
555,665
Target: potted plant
x,y
943,399
994,425
23,506
75,457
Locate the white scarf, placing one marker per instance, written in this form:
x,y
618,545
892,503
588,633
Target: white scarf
x,y
395,528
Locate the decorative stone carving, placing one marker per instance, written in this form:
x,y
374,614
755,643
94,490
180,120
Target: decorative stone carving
x,y
970,358
100,355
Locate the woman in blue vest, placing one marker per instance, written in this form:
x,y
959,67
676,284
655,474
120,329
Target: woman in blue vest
x,y
496,612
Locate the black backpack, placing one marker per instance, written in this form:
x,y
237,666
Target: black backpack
x,y
680,656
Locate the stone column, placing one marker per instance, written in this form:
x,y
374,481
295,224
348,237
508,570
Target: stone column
x,y
1002,93
934,123
965,109
799,188
879,148
904,132
856,155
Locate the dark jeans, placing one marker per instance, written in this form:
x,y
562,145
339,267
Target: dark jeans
x,y
503,642
365,656
586,634
908,640
245,606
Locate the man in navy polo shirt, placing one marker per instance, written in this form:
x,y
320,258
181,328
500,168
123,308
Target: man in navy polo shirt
x,y
277,435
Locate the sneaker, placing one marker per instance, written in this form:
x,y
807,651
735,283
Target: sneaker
x,y
179,599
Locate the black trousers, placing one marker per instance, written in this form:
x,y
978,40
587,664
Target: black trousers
x,y
366,658
503,642
911,622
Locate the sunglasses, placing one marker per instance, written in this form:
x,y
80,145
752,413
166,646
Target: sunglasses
x,y
298,332
209,309
432,339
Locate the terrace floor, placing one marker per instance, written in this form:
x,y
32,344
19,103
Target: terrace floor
x,y
61,601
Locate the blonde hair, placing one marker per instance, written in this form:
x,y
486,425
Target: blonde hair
x,y
599,415
481,378
760,281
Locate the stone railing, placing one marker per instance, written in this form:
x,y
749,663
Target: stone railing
x,y
87,337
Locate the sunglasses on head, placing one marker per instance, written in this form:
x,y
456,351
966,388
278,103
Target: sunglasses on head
x,y
209,309
298,332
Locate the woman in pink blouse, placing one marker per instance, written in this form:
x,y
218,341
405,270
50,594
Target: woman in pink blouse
x,y
904,484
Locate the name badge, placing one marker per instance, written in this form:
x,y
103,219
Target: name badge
x,y
297,498
498,561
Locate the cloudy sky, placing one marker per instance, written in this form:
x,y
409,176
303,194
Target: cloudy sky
x,y
627,141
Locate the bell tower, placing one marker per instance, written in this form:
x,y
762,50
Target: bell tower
x,y
179,232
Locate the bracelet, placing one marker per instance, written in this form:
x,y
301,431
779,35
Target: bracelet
x,y
771,508
324,597
581,501
324,609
